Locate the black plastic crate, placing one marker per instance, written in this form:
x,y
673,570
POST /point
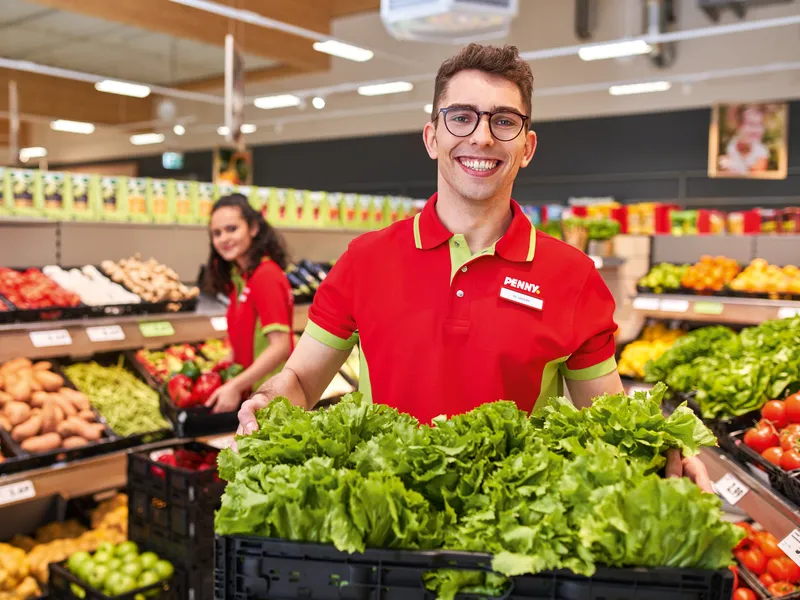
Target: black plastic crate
x,y
752,581
251,567
63,585
784,482
174,514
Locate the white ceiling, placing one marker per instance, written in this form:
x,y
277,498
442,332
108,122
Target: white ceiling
x,y
30,31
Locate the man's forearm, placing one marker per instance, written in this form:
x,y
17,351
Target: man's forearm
x,y
287,384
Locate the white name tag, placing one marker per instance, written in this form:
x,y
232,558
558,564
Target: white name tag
x,y
529,301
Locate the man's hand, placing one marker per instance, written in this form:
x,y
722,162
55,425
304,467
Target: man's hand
x,y
692,467
247,413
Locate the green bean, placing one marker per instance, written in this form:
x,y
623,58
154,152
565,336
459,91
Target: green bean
x,y
128,405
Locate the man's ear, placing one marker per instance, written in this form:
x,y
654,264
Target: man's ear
x,y
530,149
429,137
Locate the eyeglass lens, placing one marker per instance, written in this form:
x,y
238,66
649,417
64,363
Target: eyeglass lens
x,y
505,126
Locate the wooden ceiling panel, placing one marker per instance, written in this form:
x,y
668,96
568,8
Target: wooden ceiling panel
x,y
345,8
209,84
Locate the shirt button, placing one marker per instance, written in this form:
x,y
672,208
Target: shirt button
x,y
456,244
460,293
463,269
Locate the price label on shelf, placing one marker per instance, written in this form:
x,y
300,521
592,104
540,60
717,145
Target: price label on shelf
x,y
730,489
157,329
14,492
222,442
48,339
640,303
676,306
788,312
107,333
219,323
708,308
791,546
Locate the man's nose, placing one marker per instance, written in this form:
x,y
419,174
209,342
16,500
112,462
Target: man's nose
x,y
482,135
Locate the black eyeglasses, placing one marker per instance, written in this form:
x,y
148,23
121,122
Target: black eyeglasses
x,y
505,125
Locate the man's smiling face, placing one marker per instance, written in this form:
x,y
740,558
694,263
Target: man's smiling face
x,y
479,167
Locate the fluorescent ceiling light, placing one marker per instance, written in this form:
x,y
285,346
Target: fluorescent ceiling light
x,y
639,88
318,102
122,88
428,108
248,128
144,139
179,129
32,152
379,89
71,126
343,50
281,101
222,130
615,50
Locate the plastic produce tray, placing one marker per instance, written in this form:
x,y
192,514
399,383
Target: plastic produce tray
x,y
174,515
784,482
188,422
751,579
166,306
61,582
252,567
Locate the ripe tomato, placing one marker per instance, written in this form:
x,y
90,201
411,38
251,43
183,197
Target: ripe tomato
x,y
747,540
789,440
792,408
790,460
780,588
755,561
773,455
784,569
775,413
791,428
768,544
761,437
766,579
744,594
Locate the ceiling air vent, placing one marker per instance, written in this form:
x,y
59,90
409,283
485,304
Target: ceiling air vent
x,y
448,21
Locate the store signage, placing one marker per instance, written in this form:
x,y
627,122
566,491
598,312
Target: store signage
x,y
730,489
219,323
642,303
677,306
14,492
708,308
157,329
791,546
48,339
108,333
787,312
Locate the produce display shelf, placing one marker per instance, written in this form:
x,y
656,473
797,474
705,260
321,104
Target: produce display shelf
x,y
714,309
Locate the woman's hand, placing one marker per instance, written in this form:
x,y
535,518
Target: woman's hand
x,y
692,467
225,398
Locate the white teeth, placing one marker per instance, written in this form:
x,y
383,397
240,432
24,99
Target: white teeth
x,y
479,165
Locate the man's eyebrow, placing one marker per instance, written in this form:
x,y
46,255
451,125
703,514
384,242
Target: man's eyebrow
x,y
494,109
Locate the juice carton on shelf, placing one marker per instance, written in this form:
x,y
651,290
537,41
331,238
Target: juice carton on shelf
x,y
392,213
159,203
302,210
263,195
205,200
746,222
225,188
253,199
5,200
383,212
315,213
24,188
136,191
407,207
81,200
112,198
366,212
54,191
185,208
334,203
710,222
349,211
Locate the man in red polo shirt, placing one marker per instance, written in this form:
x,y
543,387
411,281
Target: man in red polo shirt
x,y
466,303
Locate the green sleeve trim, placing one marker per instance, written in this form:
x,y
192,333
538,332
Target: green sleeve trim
x,y
593,372
327,338
272,327
417,238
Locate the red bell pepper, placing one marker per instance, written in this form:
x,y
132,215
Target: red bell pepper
x,y
205,385
179,390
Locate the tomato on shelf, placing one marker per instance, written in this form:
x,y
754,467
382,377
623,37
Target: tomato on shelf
x,y
773,455
776,437
744,594
760,557
792,407
774,411
32,289
761,437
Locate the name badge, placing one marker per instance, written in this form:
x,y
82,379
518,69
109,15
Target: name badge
x,y
523,299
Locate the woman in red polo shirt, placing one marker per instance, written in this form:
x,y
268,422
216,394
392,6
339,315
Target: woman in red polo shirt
x,y
247,263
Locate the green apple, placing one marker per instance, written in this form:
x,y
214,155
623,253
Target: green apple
x,y
147,560
106,547
131,568
76,559
126,548
163,569
101,557
123,585
98,576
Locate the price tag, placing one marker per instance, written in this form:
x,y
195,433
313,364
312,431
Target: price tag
x,y
219,323
641,303
598,261
791,546
157,329
222,442
708,308
14,492
677,306
47,339
730,489
787,312
108,333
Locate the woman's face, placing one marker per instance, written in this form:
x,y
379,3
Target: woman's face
x,y
230,233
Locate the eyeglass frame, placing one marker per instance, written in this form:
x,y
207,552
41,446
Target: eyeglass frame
x,y
445,109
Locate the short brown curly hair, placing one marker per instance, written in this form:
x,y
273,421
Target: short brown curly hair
x,y
495,60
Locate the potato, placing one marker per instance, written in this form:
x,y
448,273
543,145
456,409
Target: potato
x,y
14,365
67,406
38,399
74,441
78,399
42,443
29,428
2,381
21,390
5,423
17,412
43,365
5,397
50,418
77,426
87,415
51,382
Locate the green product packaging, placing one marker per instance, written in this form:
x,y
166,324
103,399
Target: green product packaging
x,y
416,207
284,207
5,199
112,198
225,188
159,203
383,212
334,205
264,195
54,191
407,207
205,200
295,207
251,193
136,196
81,197
25,189
349,211
302,208
365,212
184,204
393,214
316,209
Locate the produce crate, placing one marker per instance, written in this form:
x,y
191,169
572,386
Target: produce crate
x,y
751,579
48,313
252,567
165,306
174,514
63,585
784,482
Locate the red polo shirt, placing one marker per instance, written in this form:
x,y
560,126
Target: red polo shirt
x,y
444,330
260,302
